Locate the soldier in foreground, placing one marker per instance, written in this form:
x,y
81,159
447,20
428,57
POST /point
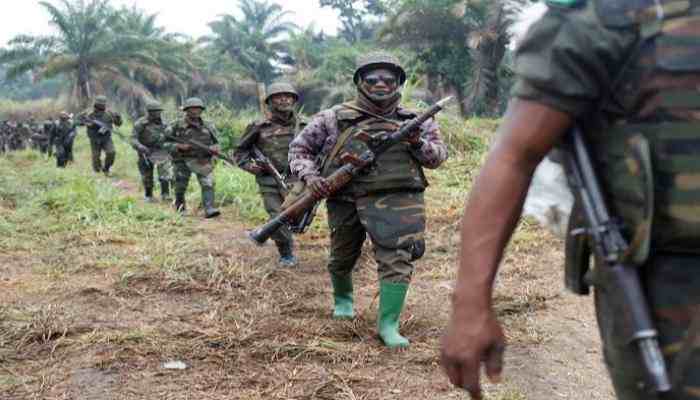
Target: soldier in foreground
x,y
188,159
148,139
387,203
62,138
272,137
619,71
100,122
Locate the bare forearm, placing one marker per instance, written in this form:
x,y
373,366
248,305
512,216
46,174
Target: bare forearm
x,y
528,133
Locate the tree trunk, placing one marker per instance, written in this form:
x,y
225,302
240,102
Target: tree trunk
x,y
84,89
261,97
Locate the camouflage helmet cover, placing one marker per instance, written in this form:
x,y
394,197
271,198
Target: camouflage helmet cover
x,y
101,100
193,102
379,59
154,106
279,88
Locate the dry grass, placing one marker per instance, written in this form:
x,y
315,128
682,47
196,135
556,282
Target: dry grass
x,y
96,308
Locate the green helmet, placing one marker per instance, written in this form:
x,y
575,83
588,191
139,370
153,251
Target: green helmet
x,y
154,106
279,88
193,102
100,101
379,60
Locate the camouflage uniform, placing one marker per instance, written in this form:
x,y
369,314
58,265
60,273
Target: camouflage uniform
x,y
386,203
101,139
42,137
272,137
195,160
4,135
150,134
628,69
62,138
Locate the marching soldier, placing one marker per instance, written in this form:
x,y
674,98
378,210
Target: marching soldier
x,y
100,122
148,139
272,137
386,203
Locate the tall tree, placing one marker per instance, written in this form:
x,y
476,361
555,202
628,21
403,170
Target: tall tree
x,y
86,48
356,17
458,43
257,41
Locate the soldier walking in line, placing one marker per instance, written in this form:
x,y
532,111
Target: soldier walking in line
x,y
100,122
148,139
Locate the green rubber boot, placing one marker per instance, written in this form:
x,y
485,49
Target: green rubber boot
x,y
391,300
342,296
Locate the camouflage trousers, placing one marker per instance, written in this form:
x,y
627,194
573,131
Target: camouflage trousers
x,y
395,223
99,144
61,154
148,166
672,283
272,201
202,168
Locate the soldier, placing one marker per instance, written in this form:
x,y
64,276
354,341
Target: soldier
x,y
620,70
100,122
272,137
63,134
147,139
41,137
387,203
4,135
188,159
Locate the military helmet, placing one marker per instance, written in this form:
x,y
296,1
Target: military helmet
x,y
279,88
101,100
154,106
379,59
193,102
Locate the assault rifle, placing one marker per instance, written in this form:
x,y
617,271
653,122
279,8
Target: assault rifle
x,y
353,166
619,261
105,129
267,165
201,146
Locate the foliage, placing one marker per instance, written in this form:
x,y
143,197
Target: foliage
x,y
355,17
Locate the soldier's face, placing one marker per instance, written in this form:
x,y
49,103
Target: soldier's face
x,y
100,107
155,115
283,102
379,84
194,112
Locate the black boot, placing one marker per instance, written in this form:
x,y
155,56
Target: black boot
x,y
287,258
208,201
180,202
165,189
148,194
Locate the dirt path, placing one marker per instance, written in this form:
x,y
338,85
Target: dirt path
x,y
245,329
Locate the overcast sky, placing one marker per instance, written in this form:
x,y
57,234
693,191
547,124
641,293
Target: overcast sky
x,y
189,17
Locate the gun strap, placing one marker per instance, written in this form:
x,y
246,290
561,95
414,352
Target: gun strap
x,y
339,144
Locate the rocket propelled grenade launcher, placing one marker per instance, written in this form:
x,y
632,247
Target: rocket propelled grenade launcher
x,y
352,167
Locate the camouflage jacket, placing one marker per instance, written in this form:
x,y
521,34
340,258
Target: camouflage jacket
x,y
321,135
107,117
272,138
148,133
183,130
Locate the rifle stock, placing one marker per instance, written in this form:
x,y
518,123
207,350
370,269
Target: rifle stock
x,y
613,252
342,176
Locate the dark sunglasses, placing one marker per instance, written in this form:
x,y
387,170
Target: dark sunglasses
x,y
374,80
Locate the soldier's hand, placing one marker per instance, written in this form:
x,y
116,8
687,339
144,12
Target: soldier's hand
x,y
470,340
319,186
414,137
255,168
183,147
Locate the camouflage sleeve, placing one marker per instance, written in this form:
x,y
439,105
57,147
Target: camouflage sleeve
x,y
432,151
138,129
242,153
170,132
305,148
568,58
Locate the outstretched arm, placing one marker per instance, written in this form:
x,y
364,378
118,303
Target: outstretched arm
x,y
530,130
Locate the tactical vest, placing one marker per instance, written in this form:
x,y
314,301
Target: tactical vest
x,y
273,141
202,134
62,130
660,98
151,134
394,170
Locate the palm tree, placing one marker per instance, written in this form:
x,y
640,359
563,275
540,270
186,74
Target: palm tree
x,y
86,48
256,41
